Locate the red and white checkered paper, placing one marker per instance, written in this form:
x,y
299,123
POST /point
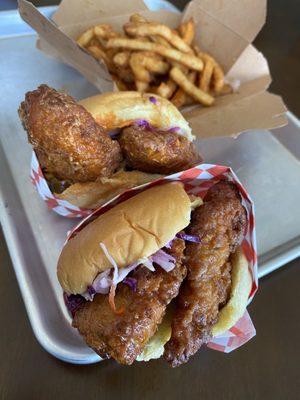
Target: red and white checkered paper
x,y
61,207
197,181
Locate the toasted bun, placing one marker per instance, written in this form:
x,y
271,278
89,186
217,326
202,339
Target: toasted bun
x,y
156,345
134,229
228,316
92,195
241,283
120,109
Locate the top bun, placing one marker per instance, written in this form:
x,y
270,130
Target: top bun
x,y
131,230
120,109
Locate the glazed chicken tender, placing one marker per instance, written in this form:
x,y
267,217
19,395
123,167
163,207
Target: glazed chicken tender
x,y
67,140
124,335
152,150
220,222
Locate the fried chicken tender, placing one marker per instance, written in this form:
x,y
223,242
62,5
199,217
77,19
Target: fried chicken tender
x,y
156,151
220,222
123,336
67,140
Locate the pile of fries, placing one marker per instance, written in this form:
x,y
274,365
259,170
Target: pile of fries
x,y
150,57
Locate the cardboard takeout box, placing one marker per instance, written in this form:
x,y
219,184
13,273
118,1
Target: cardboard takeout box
x,y
225,29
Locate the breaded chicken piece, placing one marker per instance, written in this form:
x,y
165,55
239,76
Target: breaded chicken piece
x,y
123,336
67,140
152,150
220,222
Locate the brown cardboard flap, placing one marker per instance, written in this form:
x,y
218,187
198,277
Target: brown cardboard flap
x,y
250,65
259,111
213,37
76,11
68,50
246,17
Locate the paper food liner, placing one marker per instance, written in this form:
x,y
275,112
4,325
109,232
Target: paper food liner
x,y
61,207
197,181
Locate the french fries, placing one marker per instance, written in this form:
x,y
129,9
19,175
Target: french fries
x,y
122,59
143,64
189,60
100,54
180,98
149,29
205,77
137,65
187,31
137,18
105,32
217,73
182,81
86,37
166,89
151,57
141,86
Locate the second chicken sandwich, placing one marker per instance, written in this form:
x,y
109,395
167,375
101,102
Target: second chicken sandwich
x,y
158,274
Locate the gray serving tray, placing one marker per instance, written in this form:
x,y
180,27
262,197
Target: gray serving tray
x,y
267,164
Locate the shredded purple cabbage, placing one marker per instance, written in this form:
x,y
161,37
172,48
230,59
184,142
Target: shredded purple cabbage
x,y
175,129
153,99
91,291
102,282
144,123
114,133
73,302
147,125
131,282
188,238
169,244
164,260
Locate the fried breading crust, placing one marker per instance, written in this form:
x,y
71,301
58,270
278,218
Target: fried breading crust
x,y
220,222
67,140
124,336
156,151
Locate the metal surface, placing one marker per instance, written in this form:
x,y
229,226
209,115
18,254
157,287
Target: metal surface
x,y
35,236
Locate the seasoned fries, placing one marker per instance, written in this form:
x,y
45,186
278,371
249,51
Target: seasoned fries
x,y
180,97
138,67
122,59
180,78
166,89
86,37
187,31
216,72
189,61
147,29
205,77
151,57
105,32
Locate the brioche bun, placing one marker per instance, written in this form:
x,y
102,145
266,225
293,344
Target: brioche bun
x,y
92,195
120,109
234,309
241,283
131,230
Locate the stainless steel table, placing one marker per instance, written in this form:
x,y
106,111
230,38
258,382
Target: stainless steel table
x,y
267,367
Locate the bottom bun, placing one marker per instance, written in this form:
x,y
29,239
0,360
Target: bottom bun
x,y
92,195
241,283
156,345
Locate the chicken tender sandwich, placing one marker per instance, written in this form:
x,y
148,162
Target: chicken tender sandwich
x,y
94,149
158,274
